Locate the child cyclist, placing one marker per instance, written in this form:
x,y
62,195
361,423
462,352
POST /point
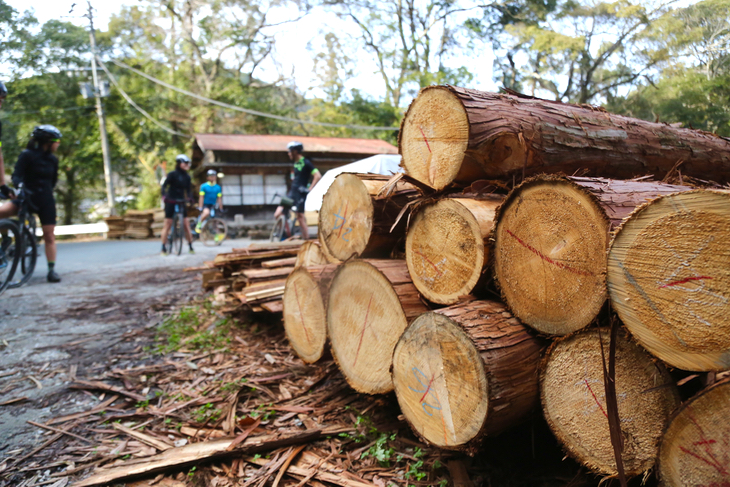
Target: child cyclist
x,y
211,196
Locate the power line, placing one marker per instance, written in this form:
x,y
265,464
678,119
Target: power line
x,y
137,107
246,110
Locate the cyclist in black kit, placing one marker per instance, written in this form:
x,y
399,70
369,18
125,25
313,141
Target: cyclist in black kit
x,y
3,187
37,169
177,188
300,187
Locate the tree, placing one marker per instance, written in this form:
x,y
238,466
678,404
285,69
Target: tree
x,y
583,51
411,41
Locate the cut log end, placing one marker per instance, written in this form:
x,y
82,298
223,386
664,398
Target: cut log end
x,y
669,278
311,254
695,449
346,218
549,257
440,382
434,137
574,403
445,251
364,321
304,316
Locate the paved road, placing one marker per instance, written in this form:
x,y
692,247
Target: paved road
x,y
52,333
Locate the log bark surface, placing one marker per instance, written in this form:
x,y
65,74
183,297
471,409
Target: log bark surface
x,y
550,244
448,246
695,449
305,305
669,278
506,135
357,214
370,304
464,372
574,403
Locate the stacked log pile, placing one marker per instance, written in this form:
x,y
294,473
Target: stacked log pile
x,y
486,211
116,226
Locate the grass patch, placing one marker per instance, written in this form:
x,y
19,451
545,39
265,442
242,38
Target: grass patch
x,y
195,328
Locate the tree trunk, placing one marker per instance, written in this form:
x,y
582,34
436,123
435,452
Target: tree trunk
x,y
448,248
69,197
695,449
370,304
455,134
305,302
466,371
357,214
550,245
669,278
574,401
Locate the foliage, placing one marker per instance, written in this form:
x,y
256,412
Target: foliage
x,y
582,51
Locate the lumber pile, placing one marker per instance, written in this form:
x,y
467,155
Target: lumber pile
x,y
116,226
252,278
487,221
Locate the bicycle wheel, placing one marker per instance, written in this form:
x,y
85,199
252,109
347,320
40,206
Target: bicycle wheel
x,y
8,257
278,229
178,236
27,257
214,232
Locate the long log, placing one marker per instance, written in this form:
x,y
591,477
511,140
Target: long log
x,y
455,134
448,248
550,244
669,278
574,402
357,214
695,449
464,372
370,304
305,305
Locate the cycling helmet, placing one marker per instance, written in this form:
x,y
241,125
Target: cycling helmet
x,y
182,158
3,90
44,133
294,145
211,172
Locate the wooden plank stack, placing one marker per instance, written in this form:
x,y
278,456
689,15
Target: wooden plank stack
x,y
485,209
116,226
489,211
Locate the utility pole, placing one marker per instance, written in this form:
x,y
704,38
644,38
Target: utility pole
x,y
100,113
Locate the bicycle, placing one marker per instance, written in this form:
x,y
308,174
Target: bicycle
x,y
177,230
214,230
24,247
284,224
8,257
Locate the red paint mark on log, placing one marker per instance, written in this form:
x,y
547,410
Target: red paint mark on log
x,y
547,259
364,327
435,267
301,315
688,279
714,462
713,465
424,138
344,218
704,442
595,398
428,388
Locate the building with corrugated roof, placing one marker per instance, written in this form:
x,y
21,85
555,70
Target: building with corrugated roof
x,y
257,167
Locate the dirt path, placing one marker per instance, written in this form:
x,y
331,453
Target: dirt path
x,y
94,320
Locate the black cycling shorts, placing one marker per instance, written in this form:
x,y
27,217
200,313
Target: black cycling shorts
x,y
43,205
170,209
299,199
210,207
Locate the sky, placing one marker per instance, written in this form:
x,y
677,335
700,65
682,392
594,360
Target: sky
x,y
292,52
